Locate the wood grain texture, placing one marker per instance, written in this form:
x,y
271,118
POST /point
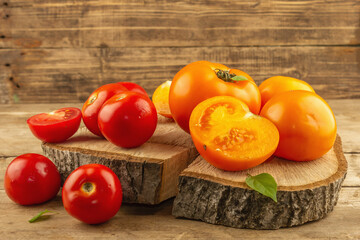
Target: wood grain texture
x,y
81,23
16,138
306,192
148,173
135,221
155,222
70,75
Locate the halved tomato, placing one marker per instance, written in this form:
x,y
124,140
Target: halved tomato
x,y
160,98
229,136
56,126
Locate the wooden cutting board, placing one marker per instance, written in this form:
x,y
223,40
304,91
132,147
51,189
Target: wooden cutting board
x,y
148,174
307,191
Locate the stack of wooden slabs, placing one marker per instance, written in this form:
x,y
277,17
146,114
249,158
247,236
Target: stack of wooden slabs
x,y
148,174
307,191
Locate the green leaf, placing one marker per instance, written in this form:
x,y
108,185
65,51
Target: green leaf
x,y
263,183
40,216
239,78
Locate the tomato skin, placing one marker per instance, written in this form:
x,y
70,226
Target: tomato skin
x,y
305,122
198,81
56,126
31,179
133,87
93,104
278,84
96,206
128,119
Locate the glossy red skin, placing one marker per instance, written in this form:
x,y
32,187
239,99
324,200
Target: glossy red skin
x,y
128,119
99,206
134,87
51,128
94,103
31,179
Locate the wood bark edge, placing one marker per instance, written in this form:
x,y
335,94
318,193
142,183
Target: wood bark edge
x,y
220,202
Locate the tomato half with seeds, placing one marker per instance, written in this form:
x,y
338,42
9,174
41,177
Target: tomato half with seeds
x,y
278,84
201,80
305,122
229,136
92,193
56,126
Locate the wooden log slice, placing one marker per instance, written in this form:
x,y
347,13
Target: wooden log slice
x,y
148,174
307,191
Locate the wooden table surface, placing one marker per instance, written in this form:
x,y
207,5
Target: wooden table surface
x,y
156,222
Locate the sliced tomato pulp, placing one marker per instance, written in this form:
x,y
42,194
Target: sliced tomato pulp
x,y
229,136
56,126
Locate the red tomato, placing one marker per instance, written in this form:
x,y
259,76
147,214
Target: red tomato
x,y
56,126
133,87
128,119
92,193
305,122
201,80
95,101
31,179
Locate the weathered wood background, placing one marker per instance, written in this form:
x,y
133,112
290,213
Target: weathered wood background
x,y
61,50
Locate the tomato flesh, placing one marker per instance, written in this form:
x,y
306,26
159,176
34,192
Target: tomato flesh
x,y
92,193
229,136
31,179
160,98
56,126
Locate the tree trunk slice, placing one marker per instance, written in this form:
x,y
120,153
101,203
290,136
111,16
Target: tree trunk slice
x,y
148,174
307,191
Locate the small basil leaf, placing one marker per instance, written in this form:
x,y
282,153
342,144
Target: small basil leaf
x,y
39,216
263,183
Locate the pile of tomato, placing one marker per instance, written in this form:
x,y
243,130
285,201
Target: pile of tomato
x,y
120,112
234,124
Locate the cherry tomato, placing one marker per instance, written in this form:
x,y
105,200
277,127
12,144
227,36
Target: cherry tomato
x,y
229,136
56,126
31,179
275,85
95,101
128,119
160,98
133,87
305,122
92,193
201,80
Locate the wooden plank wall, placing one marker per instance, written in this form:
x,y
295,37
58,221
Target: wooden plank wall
x,y
61,50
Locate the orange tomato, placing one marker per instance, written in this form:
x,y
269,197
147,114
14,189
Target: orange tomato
x,y
229,136
305,122
201,80
275,85
160,99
